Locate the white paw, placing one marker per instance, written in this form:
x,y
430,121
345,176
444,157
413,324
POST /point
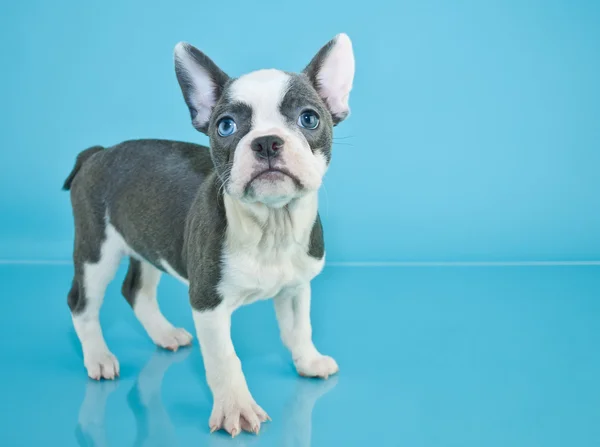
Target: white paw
x,y
235,412
101,365
321,366
172,338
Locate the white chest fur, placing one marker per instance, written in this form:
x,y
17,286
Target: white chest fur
x,y
266,249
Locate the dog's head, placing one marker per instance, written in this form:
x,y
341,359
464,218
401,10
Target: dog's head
x,y
270,131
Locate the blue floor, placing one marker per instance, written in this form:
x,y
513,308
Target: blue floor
x,y
449,356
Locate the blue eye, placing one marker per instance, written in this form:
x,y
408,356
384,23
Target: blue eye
x,y
308,120
226,127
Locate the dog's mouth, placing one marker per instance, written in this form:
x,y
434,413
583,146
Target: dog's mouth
x,y
274,175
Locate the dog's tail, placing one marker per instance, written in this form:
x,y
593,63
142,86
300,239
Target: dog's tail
x,y
81,158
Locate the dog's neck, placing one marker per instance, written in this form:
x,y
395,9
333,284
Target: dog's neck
x,y
256,225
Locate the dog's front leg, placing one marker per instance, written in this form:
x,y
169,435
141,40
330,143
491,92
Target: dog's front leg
x,y
292,307
233,406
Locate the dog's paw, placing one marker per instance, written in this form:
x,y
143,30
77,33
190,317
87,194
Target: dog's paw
x,y
101,365
235,412
321,366
172,338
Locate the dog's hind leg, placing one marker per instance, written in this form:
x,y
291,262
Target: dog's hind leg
x,y
97,254
139,289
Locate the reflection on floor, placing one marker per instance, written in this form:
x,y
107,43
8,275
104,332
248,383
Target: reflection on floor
x,y
428,356
153,424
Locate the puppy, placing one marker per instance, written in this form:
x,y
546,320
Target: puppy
x,y
237,222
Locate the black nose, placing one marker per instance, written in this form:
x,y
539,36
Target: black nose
x,y
268,146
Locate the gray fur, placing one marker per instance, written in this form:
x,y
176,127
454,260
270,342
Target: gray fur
x,y
300,97
81,158
165,199
205,234
88,213
133,281
222,149
145,188
316,247
219,79
76,297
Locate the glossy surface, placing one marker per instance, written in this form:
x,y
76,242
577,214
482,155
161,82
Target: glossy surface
x,y
429,357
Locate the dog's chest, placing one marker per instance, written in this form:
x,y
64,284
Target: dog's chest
x,y
266,250
252,275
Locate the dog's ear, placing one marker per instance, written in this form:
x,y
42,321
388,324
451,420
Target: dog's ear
x,y
331,72
201,82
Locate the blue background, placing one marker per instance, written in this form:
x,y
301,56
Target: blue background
x,y
474,134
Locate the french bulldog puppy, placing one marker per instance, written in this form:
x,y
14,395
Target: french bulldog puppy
x,y
237,222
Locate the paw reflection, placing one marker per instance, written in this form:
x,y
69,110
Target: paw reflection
x,y
90,430
153,426
297,415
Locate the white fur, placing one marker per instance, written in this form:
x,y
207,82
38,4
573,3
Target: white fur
x,y
265,253
336,75
98,360
146,309
203,96
264,91
266,249
292,306
234,408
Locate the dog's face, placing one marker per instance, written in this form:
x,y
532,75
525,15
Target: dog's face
x,y
270,131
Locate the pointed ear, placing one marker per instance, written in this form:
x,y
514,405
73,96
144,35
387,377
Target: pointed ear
x,y
331,72
201,82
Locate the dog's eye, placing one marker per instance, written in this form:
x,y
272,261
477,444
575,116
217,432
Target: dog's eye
x,y
308,120
226,127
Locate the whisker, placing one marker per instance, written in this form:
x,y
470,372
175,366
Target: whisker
x,y
224,178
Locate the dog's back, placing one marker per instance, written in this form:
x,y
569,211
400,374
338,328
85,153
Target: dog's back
x,y
157,159
81,159
138,187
